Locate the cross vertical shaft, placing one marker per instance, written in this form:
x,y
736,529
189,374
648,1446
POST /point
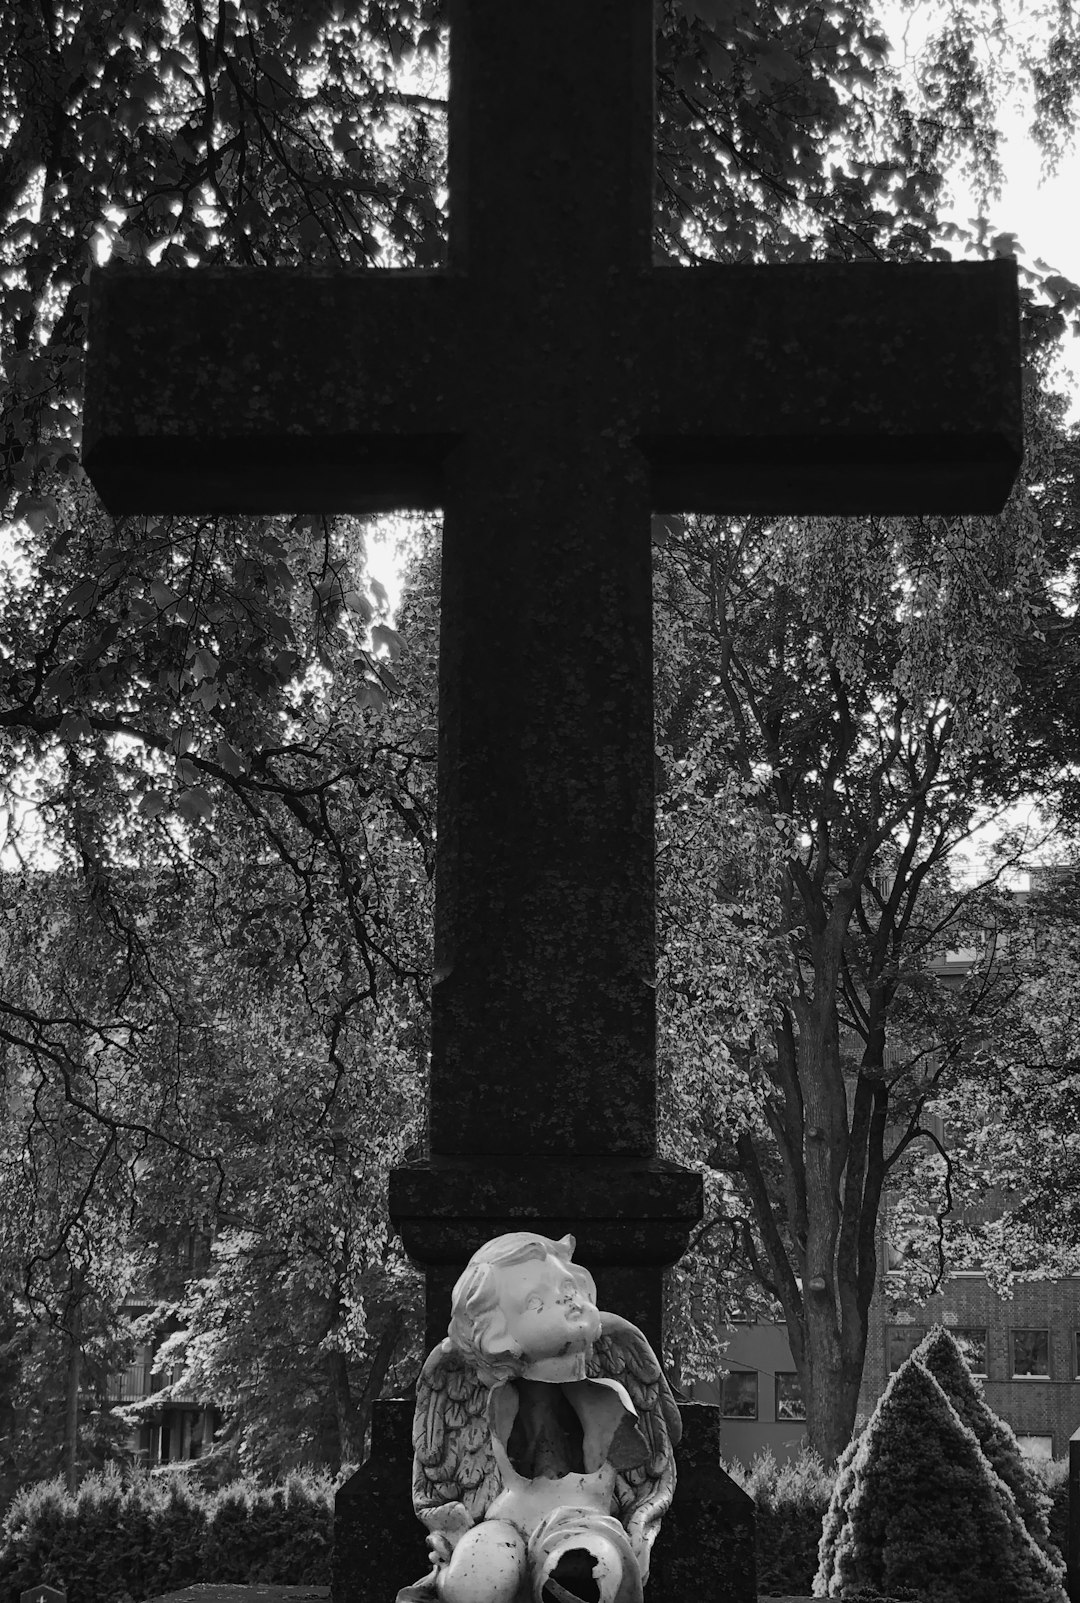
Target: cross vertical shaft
x,y
544,900
551,146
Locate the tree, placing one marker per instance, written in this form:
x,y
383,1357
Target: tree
x,y
839,703
223,1096
1011,1118
190,698
216,1050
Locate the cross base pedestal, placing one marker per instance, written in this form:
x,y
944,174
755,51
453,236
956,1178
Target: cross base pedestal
x,y
705,1549
630,1217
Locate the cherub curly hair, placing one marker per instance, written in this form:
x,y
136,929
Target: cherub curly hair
x,y
477,1328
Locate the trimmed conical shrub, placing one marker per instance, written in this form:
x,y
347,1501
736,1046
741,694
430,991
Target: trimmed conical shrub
x,y
939,1353
835,1518
924,1510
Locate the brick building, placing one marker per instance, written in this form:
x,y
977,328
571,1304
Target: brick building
x,y
1027,1350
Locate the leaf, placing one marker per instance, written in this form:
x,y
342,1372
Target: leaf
x,y
153,804
37,511
187,770
383,637
81,599
194,804
229,758
1062,289
370,695
204,665
74,726
666,527
164,597
359,603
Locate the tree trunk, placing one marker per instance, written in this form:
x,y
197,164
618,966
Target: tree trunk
x,y
348,1420
824,1270
71,1413
373,1385
831,1388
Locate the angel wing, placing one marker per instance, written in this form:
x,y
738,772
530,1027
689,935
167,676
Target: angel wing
x,y
644,1494
452,1457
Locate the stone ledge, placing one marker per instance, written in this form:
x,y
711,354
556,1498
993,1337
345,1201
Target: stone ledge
x,y
624,1211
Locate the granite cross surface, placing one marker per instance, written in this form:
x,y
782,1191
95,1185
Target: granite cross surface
x,y
549,390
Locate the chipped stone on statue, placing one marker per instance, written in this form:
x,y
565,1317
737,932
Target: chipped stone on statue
x,y
543,1438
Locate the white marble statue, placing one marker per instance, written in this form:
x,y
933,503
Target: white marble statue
x,y
542,1438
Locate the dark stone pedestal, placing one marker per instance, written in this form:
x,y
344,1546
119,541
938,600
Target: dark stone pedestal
x,y
704,1553
379,1544
630,1217
705,1550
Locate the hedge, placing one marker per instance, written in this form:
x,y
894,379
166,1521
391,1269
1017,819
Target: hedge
x,y
128,1537
125,1537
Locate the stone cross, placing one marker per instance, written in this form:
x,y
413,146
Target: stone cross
x,y
550,390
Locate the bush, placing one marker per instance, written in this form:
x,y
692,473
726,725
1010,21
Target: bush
x,y
132,1537
870,1594
791,1499
1053,1477
835,1518
918,1506
939,1353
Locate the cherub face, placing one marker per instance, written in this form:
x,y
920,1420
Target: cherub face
x,y
546,1312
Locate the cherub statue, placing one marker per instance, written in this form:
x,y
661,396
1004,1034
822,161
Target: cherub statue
x,y
542,1438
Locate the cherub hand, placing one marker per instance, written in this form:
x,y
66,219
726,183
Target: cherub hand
x,y
446,1526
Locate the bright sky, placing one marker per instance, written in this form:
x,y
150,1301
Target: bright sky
x,y
1043,212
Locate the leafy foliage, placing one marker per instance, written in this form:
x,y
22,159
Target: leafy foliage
x,y
194,1034
136,1536
790,1500
214,741
1012,1118
838,714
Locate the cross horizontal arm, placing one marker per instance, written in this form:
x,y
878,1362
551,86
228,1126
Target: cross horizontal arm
x,y
833,387
259,390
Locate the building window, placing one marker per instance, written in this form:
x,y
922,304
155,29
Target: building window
x,y
903,1340
1036,1446
789,1398
738,1397
972,1343
1030,1353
